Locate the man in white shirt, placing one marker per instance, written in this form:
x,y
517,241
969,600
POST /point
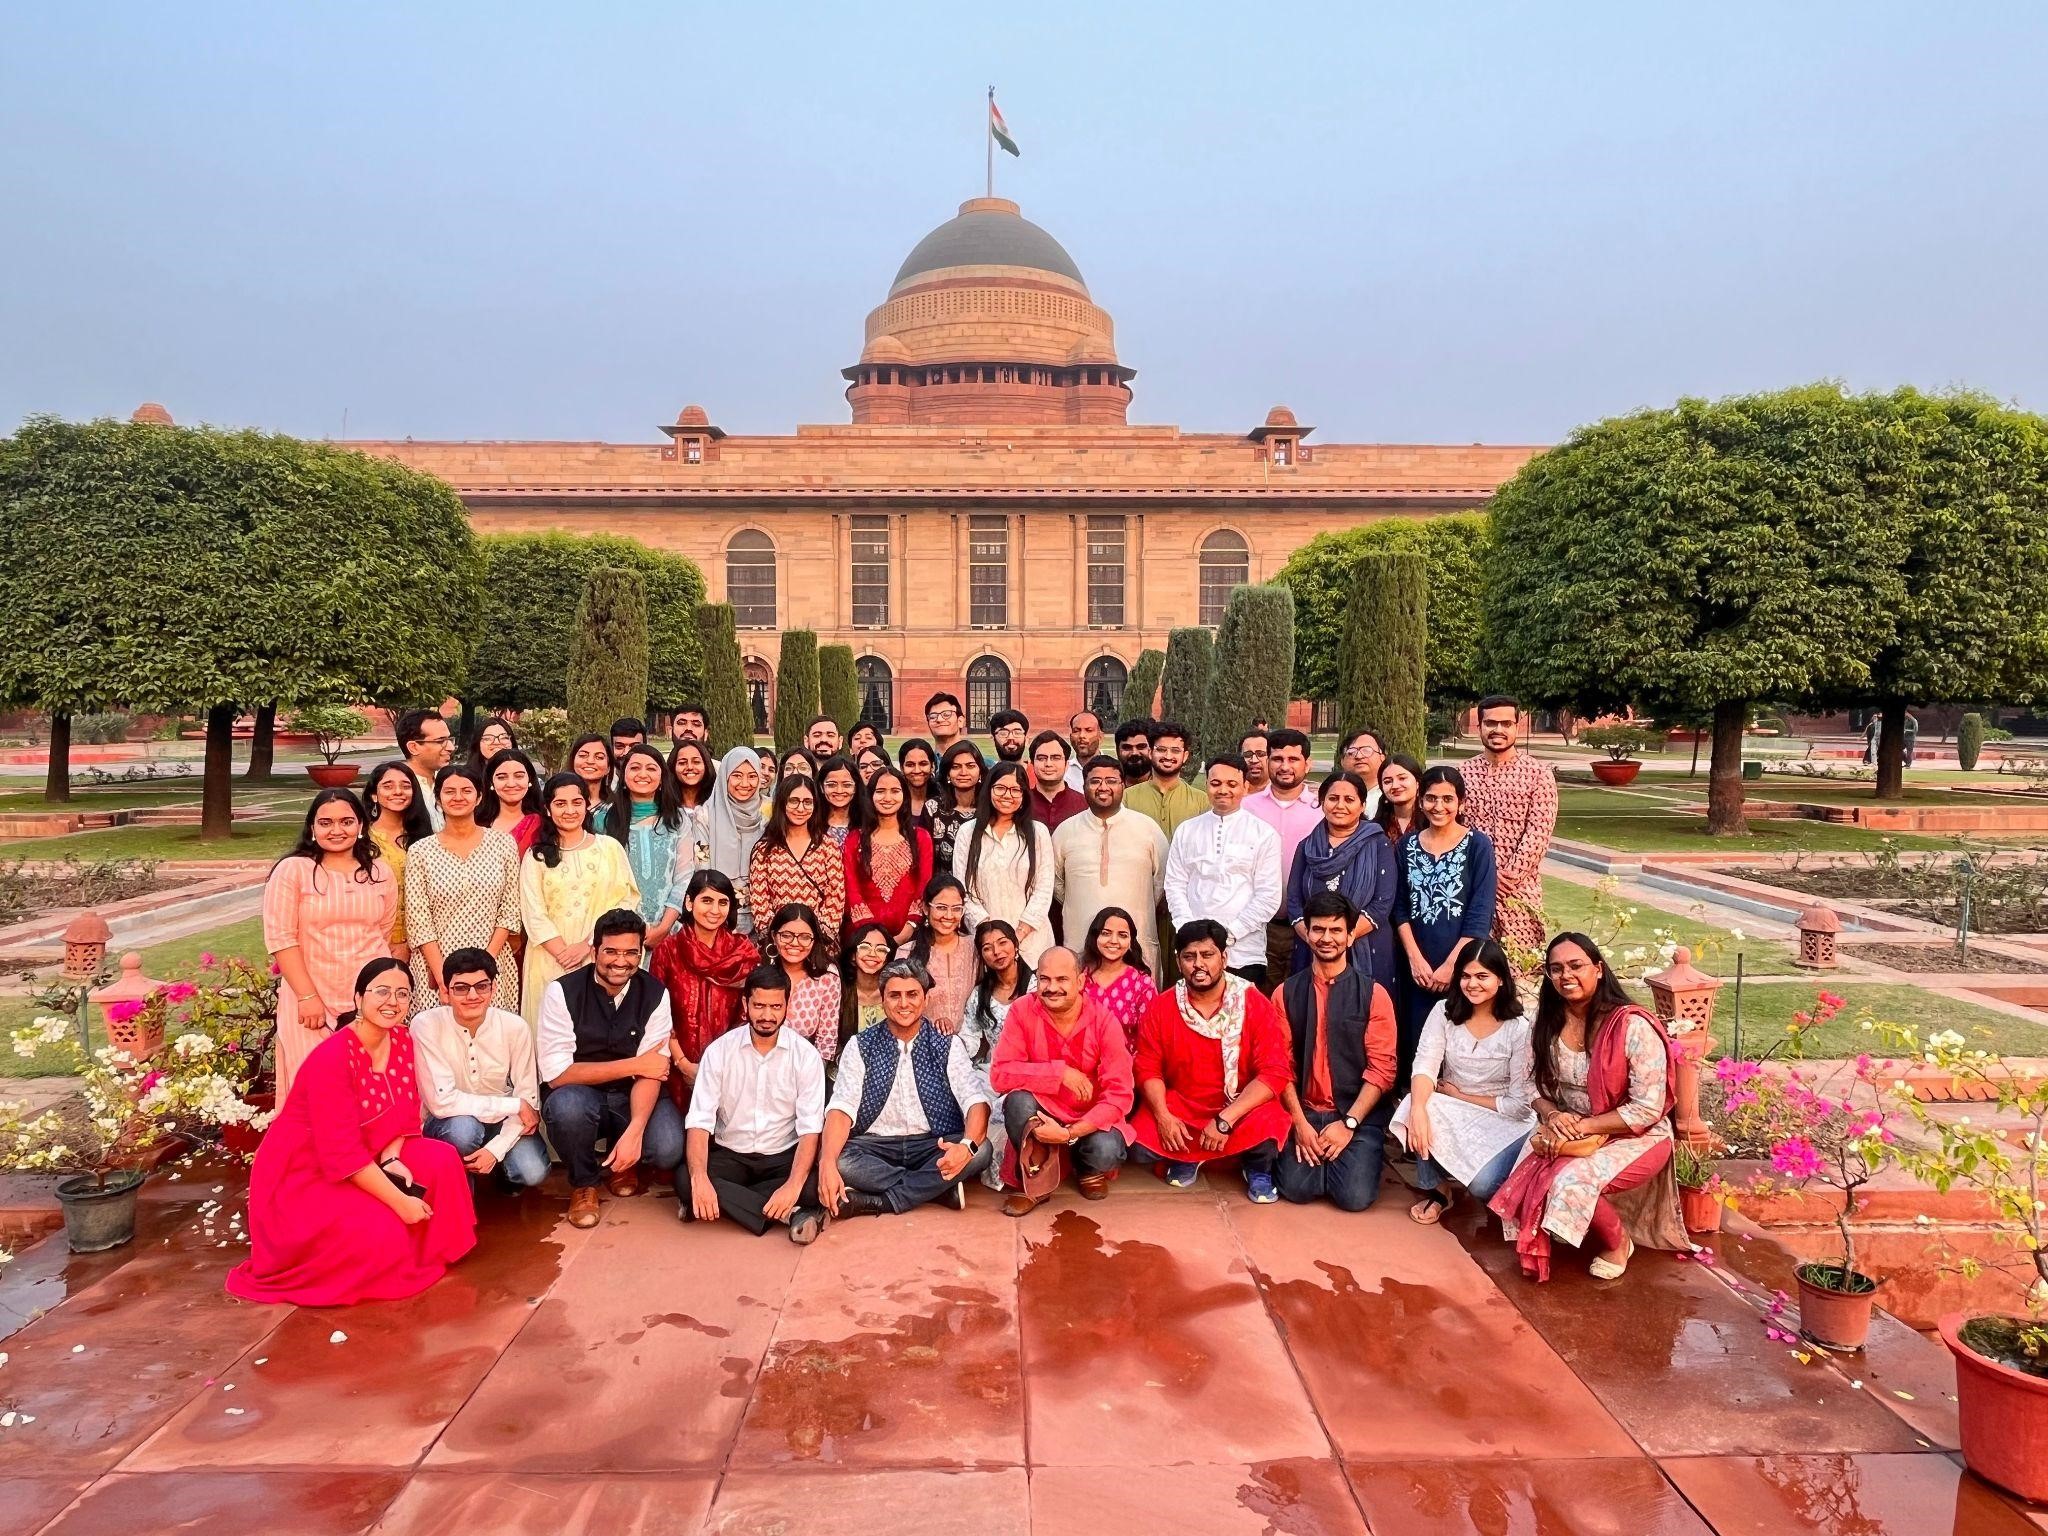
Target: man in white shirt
x,y
604,1033
1225,865
479,1082
1110,857
1288,806
908,1121
756,1110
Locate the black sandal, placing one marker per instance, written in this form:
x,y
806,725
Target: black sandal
x,y
1429,1210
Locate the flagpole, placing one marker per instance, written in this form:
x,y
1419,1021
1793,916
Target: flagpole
x,y
988,128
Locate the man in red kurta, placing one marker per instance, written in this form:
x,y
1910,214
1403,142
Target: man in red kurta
x,y
1065,1073
1212,1064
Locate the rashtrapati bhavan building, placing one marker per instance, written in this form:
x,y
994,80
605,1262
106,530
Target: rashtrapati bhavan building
x,y
989,522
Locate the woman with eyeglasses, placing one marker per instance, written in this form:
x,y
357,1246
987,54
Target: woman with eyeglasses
x,y
348,1202
794,862
797,943
1445,878
1004,858
461,892
868,948
493,736
945,952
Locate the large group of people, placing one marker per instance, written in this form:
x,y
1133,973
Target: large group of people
x,y
838,982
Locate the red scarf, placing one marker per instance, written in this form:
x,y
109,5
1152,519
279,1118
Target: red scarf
x,y
1525,1197
703,986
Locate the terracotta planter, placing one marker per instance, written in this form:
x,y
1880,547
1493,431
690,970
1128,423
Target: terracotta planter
x,y
2003,1417
1836,1319
1701,1210
333,775
1608,771
98,1217
243,1140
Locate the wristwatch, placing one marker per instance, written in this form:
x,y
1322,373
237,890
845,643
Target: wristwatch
x,y
1351,1122
971,1144
1222,1126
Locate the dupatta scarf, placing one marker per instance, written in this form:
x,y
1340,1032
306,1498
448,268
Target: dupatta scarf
x,y
703,985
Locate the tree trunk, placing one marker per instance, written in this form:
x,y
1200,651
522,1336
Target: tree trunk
x,y
465,728
1694,772
1724,772
57,777
1891,751
263,744
217,794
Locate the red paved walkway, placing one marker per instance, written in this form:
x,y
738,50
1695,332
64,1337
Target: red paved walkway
x,y
1159,1362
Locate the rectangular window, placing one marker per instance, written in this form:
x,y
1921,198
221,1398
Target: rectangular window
x,y
988,572
870,572
1106,570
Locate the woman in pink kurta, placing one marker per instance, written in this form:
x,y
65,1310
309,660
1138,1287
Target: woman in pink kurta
x,y
327,911
330,1222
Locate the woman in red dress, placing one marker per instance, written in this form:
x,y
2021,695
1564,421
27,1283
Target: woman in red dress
x,y
701,966
889,860
331,1218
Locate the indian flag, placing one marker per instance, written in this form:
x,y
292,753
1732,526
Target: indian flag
x,y
999,129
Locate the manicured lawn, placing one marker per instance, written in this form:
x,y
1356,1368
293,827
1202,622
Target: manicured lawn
x,y
252,840
1767,1012
1568,905
1644,823
111,799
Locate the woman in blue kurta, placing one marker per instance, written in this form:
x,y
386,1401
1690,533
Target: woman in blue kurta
x,y
1349,855
646,816
1446,895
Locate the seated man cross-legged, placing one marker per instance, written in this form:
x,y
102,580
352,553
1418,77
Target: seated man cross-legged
x,y
604,1033
478,1080
1064,1071
756,1110
909,1116
1341,1026
1211,1066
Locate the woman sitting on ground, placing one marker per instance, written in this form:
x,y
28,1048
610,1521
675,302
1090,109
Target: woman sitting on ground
x,y
869,947
348,1202
1599,1161
1118,971
1467,1113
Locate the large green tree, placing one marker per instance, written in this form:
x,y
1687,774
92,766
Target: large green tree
x,y
730,711
1252,676
1700,558
1323,576
796,687
1383,662
607,677
160,568
533,582
1184,684
838,686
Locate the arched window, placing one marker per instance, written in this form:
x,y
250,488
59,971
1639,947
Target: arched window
x,y
1226,565
760,691
877,693
1102,688
750,579
988,690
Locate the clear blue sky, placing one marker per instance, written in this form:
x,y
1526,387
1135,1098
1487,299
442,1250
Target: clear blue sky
x,y
1441,223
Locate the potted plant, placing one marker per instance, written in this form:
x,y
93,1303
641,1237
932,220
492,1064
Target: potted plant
x,y
1622,742
1701,1192
331,726
2000,1150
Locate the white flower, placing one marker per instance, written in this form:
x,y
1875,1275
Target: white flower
x,y
1736,934
337,1337
192,1045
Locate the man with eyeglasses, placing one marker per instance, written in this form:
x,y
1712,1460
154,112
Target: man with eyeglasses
x,y
428,746
1362,753
908,1122
1008,730
479,1079
946,719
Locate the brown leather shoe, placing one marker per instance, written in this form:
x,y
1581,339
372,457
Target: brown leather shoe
x,y
1019,1205
624,1186
583,1207
1094,1186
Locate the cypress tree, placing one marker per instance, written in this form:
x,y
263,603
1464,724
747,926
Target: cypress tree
x,y
838,688
1184,685
1381,662
1141,691
1969,741
725,680
607,677
796,687
1253,675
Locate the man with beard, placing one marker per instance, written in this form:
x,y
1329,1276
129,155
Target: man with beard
x,y
1009,729
1110,857
1288,806
1512,798
1165,796
1134,751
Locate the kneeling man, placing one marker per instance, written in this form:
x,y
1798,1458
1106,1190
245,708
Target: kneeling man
x,y
1211,1066
479,1083
909,1116
755,1115
1341,1023
1064,1071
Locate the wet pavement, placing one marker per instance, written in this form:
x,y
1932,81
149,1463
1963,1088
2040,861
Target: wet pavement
x,y
1159,1362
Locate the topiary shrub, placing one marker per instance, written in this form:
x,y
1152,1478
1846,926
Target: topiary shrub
x,y
1382,663
731,712
607,678
1253,671
797,687
838,686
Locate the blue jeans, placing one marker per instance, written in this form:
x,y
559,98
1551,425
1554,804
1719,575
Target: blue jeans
x,y
1096,1152
904,1170
1429,1173
1351,1183
580,1115
523,1167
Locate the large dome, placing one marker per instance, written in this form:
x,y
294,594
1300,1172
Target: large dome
x,y
988,232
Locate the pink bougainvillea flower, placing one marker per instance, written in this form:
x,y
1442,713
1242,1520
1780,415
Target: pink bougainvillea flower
x,y
1796,1157
1833,1000
207,961
180,991
123,1011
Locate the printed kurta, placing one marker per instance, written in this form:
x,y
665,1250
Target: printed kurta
x,y
1515,804
813,1011
338,923
660,858
1126,998
953,971
1444,899
1464,1137
458,901
1115,861
565,902
776,877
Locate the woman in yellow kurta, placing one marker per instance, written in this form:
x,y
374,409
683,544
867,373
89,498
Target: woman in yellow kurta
x,y
398,819
570,879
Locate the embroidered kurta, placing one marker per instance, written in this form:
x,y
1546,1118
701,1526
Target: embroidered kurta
x,y
1167,807
1126,998
1464,1137
817,880
393,853
1444,899
953,972
1033,1056
316,1240
893,892
1004,886
1191,1067
338,923
1113,861
458,901
661,859
813,1011
565,902
1228,868
1515,804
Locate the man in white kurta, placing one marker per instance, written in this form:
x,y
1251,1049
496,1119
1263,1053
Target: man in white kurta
x,y
1109,857
1225,864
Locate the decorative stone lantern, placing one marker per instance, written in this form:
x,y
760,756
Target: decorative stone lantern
x,y
86,938
1817,926
1684,999
127,1032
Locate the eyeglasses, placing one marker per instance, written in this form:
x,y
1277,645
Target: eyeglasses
x,y
388,994
948,909
1567,967
470,988
796,936
871,947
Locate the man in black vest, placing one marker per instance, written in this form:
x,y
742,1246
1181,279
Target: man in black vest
x,y
604,1033
1341,1024
908,1121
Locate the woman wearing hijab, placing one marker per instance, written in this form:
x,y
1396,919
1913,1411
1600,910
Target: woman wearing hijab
x,y
1350,855
739,810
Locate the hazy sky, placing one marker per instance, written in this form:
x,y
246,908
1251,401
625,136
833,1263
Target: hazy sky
x,y
1444,223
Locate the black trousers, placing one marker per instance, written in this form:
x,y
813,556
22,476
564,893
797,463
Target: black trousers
x,y
744,1181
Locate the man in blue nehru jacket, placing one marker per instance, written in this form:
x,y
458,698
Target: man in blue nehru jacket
x,y
908,1122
